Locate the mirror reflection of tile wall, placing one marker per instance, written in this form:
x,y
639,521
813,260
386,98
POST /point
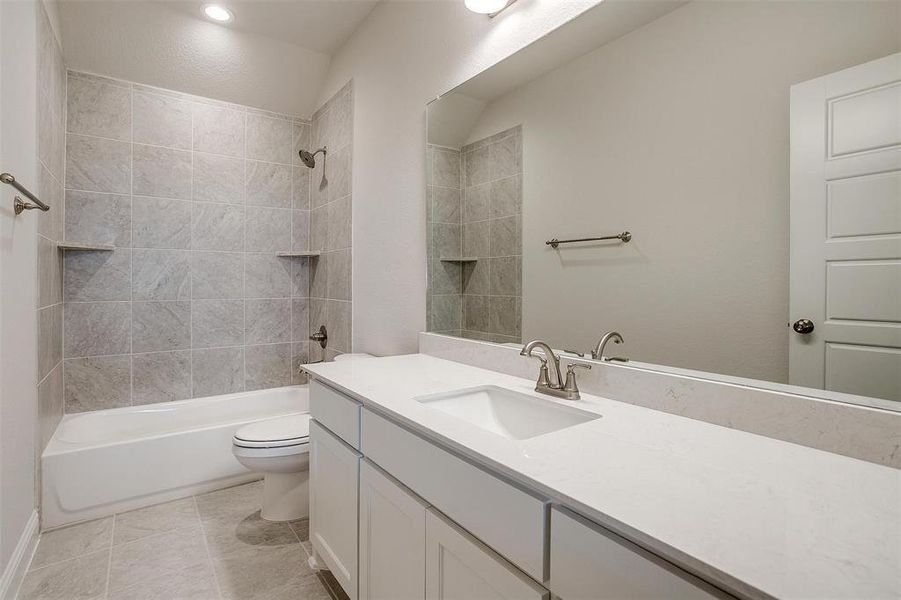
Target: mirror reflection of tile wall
x,y
475,213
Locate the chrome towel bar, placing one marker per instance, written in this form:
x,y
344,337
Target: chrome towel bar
x,y
624,237
20,204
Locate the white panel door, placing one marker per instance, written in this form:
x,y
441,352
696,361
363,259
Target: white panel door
x,y
334,493
846,231
458,567
392,538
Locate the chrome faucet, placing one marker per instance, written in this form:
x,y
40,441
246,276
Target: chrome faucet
x,y
598,352
561,389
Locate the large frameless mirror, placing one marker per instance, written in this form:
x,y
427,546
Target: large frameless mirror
x,y
717,182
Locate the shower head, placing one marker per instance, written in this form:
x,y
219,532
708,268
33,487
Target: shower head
x,y
309,159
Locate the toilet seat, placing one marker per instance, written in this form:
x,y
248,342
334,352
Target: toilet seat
x,y
290,431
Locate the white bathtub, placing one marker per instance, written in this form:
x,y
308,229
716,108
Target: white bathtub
x,y
109,461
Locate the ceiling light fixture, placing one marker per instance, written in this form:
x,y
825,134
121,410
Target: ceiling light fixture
x,y
487,7
217,13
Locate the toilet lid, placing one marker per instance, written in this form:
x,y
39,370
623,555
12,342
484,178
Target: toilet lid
x,y
289,430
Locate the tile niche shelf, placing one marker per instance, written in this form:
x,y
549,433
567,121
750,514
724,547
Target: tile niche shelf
x,y
85,247
460,259
303,254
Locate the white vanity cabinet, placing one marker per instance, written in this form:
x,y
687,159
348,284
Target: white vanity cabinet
x,y
459,567
421,521
589,562
334,487
392,538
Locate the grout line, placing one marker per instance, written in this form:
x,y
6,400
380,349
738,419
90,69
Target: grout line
x,y
206,546
109,566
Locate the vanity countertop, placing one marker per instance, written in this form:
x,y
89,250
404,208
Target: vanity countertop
x,y
760,517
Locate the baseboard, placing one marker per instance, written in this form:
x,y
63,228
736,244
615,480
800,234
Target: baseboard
x,y
20,559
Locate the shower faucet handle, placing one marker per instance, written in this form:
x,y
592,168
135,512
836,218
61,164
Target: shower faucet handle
x,y
320,336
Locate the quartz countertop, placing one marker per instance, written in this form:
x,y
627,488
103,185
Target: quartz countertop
x,y
760,517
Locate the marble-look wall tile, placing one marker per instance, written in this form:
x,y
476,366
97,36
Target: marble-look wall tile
x,y
161,120
267,276
97,328
446,240
50,190
217,227
505,158
476,203
97,218
300,355
447,313
218,178
267,321
93,276
505,276
97,383
98,107
446,205
161,223
218,130
50,340
319,228
269,139
216,323
300,319
51,404
338,173
197,196
301,188
475,278
98,165
339,224
300,230
161,172
157,326
161,377
50,277
339,275
504,315
319,276
217,275
217,371
161,275
475,313
268,184
504,236
267,366
267,230
506,197
446,168
339,317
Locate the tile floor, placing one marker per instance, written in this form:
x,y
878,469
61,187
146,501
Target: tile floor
x,y
209,547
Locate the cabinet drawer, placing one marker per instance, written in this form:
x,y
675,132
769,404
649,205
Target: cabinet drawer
x,y
458,566
337,412
503,516
589,562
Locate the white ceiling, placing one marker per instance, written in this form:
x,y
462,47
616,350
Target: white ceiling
x,y
274,55
320,25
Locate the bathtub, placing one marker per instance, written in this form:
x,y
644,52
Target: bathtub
x,y
108,461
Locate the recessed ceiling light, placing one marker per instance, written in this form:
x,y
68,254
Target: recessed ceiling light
x,y
220,14
486,7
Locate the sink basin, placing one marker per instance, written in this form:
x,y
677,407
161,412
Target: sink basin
x,y
506,413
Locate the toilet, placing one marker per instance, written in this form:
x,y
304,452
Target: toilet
x,y
280,449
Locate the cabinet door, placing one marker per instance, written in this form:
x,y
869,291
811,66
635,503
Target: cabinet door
x,y
392,538
334,492
459,567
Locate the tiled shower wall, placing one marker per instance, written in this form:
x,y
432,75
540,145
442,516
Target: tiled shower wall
x,y
444,299
51,115
331,225
197,197
480,299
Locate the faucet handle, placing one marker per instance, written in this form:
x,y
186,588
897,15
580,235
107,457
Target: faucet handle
x,y
571,385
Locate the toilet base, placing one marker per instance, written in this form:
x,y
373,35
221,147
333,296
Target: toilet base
x,y
286,496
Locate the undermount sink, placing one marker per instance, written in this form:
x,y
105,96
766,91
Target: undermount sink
x,y
506,413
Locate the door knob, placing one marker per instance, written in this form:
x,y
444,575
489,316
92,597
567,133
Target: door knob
x,y
804,326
